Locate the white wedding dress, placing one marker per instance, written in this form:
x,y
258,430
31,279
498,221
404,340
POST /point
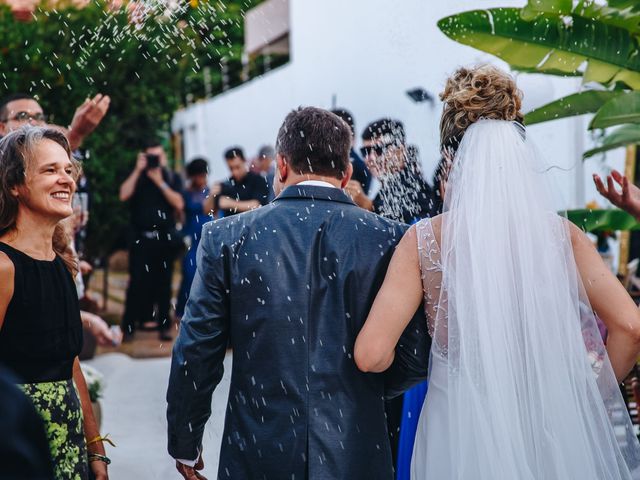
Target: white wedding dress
x,y
520,385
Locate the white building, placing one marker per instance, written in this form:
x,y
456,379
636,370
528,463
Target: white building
x,y
364,55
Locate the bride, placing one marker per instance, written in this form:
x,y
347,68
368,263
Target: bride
x,y
521,385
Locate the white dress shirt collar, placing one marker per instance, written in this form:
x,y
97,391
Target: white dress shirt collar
x,y
317,183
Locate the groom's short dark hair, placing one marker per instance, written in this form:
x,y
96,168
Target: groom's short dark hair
x,y
315,141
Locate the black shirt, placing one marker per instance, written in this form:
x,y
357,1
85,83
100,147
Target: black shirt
x,y
42,331
251,187
149,209
360,171
405,197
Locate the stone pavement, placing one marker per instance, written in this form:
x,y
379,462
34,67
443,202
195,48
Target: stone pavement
x,y
134,414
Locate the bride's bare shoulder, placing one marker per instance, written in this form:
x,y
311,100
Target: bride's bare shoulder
x,y
579,239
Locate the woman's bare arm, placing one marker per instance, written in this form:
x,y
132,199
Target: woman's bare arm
x,y
612,304
7,272
396,303
90,425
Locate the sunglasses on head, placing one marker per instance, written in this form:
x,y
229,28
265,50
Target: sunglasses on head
x,y
26,116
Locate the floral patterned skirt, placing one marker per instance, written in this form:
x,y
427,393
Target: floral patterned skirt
x,y
58,403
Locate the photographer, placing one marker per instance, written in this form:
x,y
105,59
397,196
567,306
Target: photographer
x,y
154,195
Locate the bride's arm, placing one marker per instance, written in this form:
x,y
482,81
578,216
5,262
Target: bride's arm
x,y
394,307
612,304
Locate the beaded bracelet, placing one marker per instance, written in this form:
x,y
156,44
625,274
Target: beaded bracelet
x,y
96,457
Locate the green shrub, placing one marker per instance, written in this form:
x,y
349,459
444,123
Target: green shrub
x,y
68,54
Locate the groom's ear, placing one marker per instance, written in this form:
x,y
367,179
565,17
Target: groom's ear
x,y
283,168
347,176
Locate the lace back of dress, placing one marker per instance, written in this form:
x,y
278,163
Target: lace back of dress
x,y
435,298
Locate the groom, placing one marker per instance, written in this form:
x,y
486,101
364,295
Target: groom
x,y
288,286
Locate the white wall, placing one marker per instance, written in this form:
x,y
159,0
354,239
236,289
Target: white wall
x,y
366,54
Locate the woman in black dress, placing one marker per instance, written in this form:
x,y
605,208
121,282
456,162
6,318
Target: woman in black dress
x,y
40,327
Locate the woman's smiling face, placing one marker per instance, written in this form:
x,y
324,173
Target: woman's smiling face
x,y
49,182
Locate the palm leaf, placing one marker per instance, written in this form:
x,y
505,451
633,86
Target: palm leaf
x,y
624,108
622,136
603,220
548,43
536,7
576,104
619,13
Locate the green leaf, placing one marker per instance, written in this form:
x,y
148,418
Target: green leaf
x,y
536,7
624,108
548,43
622,136
603,220
576,104
623,13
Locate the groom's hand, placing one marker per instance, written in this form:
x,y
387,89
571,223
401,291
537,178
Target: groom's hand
x,y
191,473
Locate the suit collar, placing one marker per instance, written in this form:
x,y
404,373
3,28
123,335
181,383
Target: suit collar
x,y
312,192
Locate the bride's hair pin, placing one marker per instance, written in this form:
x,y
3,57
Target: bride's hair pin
x,y
521,129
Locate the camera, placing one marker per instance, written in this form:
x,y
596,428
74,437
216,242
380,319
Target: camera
x,y
153,161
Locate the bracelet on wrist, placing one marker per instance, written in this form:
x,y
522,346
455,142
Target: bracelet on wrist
x,y
96,457
100,438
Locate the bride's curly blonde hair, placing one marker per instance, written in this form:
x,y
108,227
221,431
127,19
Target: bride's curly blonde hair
x,y
473,93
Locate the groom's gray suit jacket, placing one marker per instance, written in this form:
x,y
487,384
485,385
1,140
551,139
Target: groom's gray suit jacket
x,y
288,287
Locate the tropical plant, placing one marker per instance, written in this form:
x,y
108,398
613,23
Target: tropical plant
x,y
603,220
596,41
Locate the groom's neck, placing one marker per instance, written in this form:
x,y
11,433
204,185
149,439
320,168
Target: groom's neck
x,y
296,179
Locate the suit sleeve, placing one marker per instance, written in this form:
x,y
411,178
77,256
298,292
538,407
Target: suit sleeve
x,y
199,351
410,364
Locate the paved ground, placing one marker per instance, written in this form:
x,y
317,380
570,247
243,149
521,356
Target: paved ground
x,y
134,410
146,343
133,403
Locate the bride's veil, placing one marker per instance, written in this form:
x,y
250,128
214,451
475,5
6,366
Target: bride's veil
x,y
532,394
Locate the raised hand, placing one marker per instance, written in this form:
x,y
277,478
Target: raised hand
x,y
155,175
628,200
87,117
141,162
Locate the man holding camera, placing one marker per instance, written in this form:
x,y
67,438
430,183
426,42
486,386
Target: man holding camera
x,y
155,198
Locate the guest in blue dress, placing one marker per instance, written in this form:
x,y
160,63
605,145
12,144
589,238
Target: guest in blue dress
x,y
195,216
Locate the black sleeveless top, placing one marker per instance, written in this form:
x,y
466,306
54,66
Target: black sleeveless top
x,y
42,330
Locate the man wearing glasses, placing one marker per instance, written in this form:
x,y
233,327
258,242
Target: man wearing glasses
x,y
398,190
21,109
